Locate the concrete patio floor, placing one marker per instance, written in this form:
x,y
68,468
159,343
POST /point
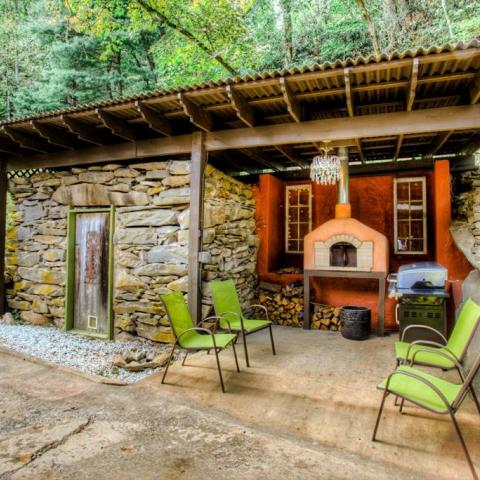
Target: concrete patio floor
x,y
306,413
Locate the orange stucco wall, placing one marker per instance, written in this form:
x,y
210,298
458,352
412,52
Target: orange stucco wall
x,y
372,204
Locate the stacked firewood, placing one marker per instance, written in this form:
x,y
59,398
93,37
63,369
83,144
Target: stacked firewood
x,y
284,304
325,317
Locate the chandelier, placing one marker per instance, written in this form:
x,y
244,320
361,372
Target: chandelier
x,y
325,168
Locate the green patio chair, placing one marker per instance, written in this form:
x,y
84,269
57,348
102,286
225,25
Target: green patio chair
x,y
431,393
443,354
227,307
191,338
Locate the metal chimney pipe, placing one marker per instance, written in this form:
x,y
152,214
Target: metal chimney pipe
x,y
343,209
342,184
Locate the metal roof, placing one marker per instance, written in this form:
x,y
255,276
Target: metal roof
x,y
423,78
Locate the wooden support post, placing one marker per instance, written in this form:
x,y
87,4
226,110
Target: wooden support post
x,y
3,221
199,158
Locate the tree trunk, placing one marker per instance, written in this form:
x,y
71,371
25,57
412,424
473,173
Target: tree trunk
x,y
287,31
370,25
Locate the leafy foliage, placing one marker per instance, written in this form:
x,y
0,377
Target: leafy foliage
x,y
60,53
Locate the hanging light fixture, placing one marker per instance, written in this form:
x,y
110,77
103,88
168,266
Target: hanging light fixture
x,y
325,168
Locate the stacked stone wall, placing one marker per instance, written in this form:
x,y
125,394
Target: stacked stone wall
x,y
150,242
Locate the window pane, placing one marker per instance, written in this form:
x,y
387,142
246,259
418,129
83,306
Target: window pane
x,y
293,196
300,245
304,197
303,230
303,214
402,244
293,214
403,211
293,246
416,229
416,246
403,229
416,190
402,191
416,210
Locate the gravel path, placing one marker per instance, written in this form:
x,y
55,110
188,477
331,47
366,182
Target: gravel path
x,y
82,353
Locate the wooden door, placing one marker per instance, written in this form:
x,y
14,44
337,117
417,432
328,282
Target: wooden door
x,y
91,278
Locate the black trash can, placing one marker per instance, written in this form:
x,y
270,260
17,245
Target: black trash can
x,y
355,322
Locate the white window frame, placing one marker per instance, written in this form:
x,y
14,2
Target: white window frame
x,y
423,180
288,188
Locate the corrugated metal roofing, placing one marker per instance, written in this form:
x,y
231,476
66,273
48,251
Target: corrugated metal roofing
x,y
287,72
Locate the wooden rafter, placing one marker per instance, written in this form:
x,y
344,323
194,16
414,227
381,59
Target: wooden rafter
x,y
412,85
27,141
288,152
55,136
243,110
260,160
398,147
348,92
439,142
9,147
293,106
84,131
475,90
358,144
119,127
197,115
156,121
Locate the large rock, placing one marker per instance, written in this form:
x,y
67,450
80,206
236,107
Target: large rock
x,y
154,217
54,255
125,281
41,275
184,219
83,194
151,166
136,236
30,214
157,334
128,259
130,198
47,290
161,269
156,174
28,259
176,181
95,177
181,284
126,172
168,254
34,318
179,167
173,196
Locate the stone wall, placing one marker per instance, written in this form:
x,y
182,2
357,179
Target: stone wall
x,y
150,241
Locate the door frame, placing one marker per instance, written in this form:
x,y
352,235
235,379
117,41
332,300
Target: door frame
x,y
70,285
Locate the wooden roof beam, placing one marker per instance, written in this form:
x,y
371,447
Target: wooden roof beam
x,y
55,136
156,121
348,92
10,148
26,141
197,115
475,90
335,130
358,144
412,86
84,131
398,147
119,127
260,160
293,106
243,110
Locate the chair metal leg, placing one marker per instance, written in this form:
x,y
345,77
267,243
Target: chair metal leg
x,y
245,347
401,405
219,370
464,446
184,358
168,363
235,355
271,339
377,423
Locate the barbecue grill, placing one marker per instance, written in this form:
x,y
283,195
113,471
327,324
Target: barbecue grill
x,y
419,289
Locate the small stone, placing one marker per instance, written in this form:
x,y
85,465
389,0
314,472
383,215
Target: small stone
x,y
168,254
179,167
95,177
176,181
126,172
7,319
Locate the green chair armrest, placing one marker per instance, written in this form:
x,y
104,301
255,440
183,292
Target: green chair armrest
x,y
425,327
240,317
446,354
422,342
197,329
217,318
422,380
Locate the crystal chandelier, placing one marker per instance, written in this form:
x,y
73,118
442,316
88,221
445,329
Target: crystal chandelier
x,y
325,168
